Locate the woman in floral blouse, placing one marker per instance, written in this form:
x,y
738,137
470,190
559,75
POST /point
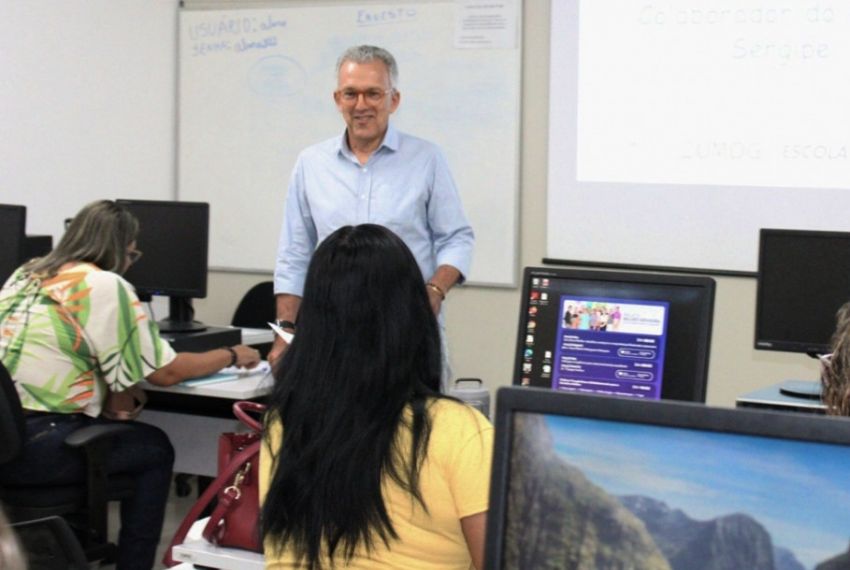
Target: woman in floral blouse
x,y
72,330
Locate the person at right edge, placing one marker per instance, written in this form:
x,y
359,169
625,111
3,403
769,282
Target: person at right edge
x,y
835,367
364,463
372,173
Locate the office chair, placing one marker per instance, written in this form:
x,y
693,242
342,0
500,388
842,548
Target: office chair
x,y
85,505
49,544
257,308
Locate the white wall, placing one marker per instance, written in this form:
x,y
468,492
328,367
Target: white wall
x,y
87,92
89,114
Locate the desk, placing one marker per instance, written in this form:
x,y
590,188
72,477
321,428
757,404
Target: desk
x,y
194,416
773,399
197,551
254,337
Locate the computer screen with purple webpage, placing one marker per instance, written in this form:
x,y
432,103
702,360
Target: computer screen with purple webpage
x,y
611,346
612,483
615,334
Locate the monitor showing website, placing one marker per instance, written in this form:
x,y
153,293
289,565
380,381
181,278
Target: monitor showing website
x,y
641,485
616,334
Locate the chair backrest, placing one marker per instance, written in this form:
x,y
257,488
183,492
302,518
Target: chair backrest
x,y
257,307
12,430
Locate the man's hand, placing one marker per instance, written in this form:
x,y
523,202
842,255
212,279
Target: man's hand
x,y
436,300
287,310
278,349
439,284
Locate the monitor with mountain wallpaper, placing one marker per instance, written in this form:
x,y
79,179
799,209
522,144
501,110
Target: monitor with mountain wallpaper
x,y
595,482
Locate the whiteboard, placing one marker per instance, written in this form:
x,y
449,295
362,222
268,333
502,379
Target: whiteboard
x,y
255,88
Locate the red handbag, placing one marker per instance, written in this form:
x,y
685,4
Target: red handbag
x,y
235,521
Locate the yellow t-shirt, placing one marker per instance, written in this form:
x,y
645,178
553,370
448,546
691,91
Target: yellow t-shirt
x,y
454,481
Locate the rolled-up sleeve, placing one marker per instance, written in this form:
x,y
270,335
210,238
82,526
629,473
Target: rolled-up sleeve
x,y
297,238
451,233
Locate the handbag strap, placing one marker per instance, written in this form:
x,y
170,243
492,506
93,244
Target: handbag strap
x,y
224,478
241,411
229,499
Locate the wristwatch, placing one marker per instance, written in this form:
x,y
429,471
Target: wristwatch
x,y
285,324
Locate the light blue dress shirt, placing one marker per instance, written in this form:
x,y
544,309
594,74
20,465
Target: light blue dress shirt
x,y
405,186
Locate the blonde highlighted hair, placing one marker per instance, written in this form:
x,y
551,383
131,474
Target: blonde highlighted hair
x,y
100,234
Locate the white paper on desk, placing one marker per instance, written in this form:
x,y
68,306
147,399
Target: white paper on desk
x,y
262,368
282,333
230,374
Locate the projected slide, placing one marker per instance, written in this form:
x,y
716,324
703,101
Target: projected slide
x,y
727,93
611,346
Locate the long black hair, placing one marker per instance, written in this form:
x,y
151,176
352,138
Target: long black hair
x,y
367,347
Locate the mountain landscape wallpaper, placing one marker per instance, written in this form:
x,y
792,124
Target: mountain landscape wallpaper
x,y
586,494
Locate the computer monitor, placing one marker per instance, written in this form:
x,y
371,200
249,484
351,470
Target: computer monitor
x,y
592,482
13,221
641,335
803,278
173,238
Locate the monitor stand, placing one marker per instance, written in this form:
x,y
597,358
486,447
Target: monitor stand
x,y
809,389
180,313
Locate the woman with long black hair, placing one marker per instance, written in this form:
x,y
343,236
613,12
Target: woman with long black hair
x,y
365,464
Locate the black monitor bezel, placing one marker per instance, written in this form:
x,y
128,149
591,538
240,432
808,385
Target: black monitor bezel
x,y
760,342
697,391
199,292
12,235
665,413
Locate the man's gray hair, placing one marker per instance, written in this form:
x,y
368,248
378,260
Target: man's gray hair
x,y
365,54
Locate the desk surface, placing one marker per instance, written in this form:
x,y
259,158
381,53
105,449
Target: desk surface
x,y
198,552
194,416
256,336
217,336
244,388
773,398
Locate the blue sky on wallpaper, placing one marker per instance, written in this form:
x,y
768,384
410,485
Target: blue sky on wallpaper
x,y
799,491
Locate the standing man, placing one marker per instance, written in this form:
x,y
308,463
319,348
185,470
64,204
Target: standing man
x,y
372,173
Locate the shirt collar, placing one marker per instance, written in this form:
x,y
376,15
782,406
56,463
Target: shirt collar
x,y
390,142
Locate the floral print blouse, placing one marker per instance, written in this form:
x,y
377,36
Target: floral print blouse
x,y
68,339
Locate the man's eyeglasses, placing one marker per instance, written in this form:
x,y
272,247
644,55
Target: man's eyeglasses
x,y
374,96
134,255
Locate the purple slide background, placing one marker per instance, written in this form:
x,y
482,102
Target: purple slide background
x,y
609,362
